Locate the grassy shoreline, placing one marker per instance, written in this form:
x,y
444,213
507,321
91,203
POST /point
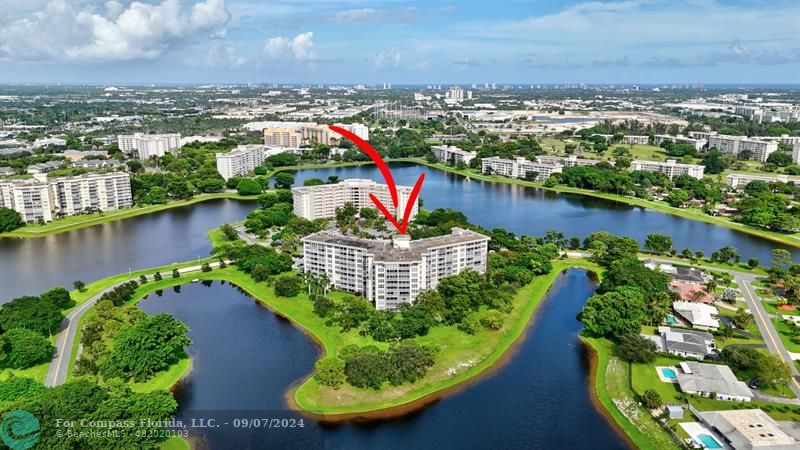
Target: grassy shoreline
x,y
87,220
787,239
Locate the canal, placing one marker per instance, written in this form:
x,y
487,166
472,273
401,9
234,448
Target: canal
x,y
245,358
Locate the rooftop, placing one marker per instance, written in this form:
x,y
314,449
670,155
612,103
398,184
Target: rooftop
x,y
400,248
748,428
711,378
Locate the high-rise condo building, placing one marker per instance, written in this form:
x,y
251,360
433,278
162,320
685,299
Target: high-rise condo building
x,y
392,272
148,145
671,168
42,200
318,202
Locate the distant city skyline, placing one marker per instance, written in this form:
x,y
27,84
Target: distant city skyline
x,y
403,43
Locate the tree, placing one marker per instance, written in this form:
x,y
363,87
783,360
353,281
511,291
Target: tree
x,y
658,243
330,372
249,186
313,182
493,319
714,162
753,263
288,285
149,346
157,276
57,296
79,285
614,314
635,348
176,273
25,348
10,220
772,370
678,197
229,231
651,399
283,180
31,313
742,319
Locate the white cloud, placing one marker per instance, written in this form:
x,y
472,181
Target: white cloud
x,y
300,48
63,31
388,58
222,55
361,15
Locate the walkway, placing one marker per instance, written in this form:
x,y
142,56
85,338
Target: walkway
x,y
65,339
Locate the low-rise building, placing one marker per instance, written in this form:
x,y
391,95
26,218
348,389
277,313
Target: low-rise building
x,y
393,272
736,144
671,168
700,316
698,144
519,168
737,180
686,343
569,161
45,167
691,292
6,171
452,155
708,380
42,200
320,202
748,429
97,164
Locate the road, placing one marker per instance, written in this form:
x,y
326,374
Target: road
x,y
65,339
767,328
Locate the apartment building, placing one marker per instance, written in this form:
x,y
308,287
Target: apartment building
x,y
42,200
569,161
736,180
284,137
737,144
390,273
632,139
295,134
149,145
698,144
451,154
520,167
318,202
243,159
796,153
671,168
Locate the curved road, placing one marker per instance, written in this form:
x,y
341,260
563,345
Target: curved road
x,y
65,339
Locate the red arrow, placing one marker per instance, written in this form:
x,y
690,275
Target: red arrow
x,y
387,175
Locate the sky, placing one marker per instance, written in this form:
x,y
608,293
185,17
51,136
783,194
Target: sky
x,y
544,41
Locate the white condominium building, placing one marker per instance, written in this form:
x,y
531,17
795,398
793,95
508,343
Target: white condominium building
x,y
698,144
671,168
452,155
628,139
569,161
392,272
40,199
740,179
148,145
319,202
519,167
737,144
242,160
796,153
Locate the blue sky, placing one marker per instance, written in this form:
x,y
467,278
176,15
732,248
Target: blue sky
x,y
625,41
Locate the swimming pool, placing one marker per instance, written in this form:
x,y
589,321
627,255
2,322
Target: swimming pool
x,y
669,373
708,441
671,320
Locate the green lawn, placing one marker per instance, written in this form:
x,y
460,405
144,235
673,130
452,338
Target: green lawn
x,y
166,379
644,376
612,381
772,308
175,443
785,332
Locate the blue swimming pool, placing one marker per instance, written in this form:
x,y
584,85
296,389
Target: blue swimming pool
x,y
708,441
669,373
671,320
